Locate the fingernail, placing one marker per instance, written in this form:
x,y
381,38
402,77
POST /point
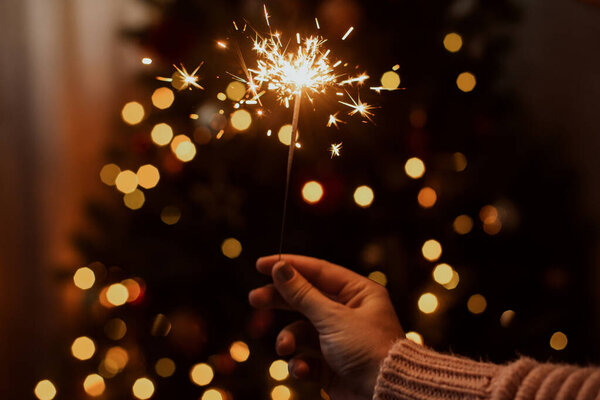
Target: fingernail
x,y
285,272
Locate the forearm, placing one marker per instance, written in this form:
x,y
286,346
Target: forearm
x,y
414,372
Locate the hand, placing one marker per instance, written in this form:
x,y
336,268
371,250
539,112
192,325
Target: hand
x,y
352,323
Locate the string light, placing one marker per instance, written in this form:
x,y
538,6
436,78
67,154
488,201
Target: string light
x,y
312,192
239,351
143,388
45,390
428,303
201,374
414,168
432,250
279,370
83,348
364,196
84,278
94,385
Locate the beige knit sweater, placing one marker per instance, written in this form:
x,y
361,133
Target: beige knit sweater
x,y
414,372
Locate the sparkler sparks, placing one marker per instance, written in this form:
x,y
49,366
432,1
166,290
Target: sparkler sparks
x,y
358,107
333,120
182,80
335,149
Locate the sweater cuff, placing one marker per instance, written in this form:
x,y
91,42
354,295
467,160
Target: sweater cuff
x,y
413,372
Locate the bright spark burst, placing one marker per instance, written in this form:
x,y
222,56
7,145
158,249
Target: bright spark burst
x,y
358,107
335,149
333,120
184,79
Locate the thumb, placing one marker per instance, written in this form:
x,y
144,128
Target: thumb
x,y
300,294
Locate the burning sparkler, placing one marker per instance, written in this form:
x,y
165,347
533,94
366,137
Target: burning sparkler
x,y
181,79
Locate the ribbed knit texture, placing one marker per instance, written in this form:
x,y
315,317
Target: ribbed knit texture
x,y
414,372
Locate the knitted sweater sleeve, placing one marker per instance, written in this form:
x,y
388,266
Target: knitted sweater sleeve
x,y
413,372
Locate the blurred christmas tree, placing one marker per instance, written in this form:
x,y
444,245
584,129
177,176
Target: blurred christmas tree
x,y
473,228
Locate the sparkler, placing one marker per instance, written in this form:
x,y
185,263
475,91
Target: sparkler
x,y
181,79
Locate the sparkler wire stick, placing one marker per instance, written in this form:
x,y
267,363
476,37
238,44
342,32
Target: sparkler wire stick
x,y
295,118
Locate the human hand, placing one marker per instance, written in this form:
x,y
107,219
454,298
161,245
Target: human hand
x,y
352,322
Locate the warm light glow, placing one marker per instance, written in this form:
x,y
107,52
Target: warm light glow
x,y
146,61
201,374
185,151
281,392
163,98
235,91
285,134
94,385
312,192
414,168
115,360
460,161
432,250
506,318
83,348
143,388
488,214
427,197
117,294
335,149
212,394
126,181
453,42
164,367
241,120
177,140
148,176
221,96
428,303
390,80
132,113
415,337
558,341
109,173
133,288
477,304
453,282
492,228
466,81
134,200
364,196
379,277
279,370
115,329
84,278
170,215
45,390
161,134
231,248
463,224
443,273
239,351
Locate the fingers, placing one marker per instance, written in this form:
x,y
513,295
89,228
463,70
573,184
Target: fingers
x,y
267,297
297,336
301,295
327,277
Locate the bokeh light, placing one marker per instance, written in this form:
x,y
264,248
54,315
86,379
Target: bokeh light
x,y
148,176
161,134
163,98
170,215
231,248
185,151
83,348
177,140
427,197
241,120
94,385
161,326
239,351
126,181
45,390
428,303
466,82
390,80
379,277
133,288
460,161
133,113
201,374
453,42
281,392
506,318
414,168
212,394
117,294
115,360
143,388
443,273
285,134
432,250
109,173
312,192
279,370
558,341
476,304
134,200
463,224
165,367
84,278
415,337
364,196
221,96
235,90
453,282
115,329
